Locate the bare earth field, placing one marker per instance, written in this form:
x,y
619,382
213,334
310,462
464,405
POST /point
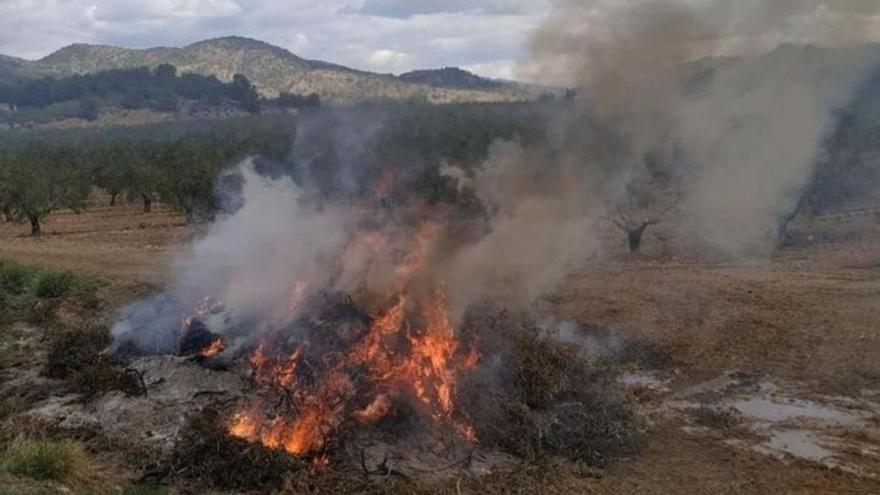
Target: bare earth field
x,y
752,377
120,242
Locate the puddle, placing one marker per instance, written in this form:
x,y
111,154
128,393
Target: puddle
x,y
767,410
802,444
830,431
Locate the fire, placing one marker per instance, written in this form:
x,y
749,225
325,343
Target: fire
x,y
244,425
306,434
377,409
417,257
408,352
214,348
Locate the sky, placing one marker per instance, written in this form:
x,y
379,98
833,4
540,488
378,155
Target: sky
x,y
484,36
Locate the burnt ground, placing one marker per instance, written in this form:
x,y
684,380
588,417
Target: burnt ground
x,y
750,377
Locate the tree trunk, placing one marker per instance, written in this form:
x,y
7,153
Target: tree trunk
x,y
148,203
634,237
783,235
113,198
35,224
190,217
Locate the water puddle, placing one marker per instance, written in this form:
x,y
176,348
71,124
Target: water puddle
x,y
802,444
777,420
773,411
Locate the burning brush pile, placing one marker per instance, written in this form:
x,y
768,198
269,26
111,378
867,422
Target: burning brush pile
x,y
335,367
358,356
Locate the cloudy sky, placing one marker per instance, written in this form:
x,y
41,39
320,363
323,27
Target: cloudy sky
x,y
485,36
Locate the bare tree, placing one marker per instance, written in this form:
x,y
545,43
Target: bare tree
x,y
635,228
783,235
643,203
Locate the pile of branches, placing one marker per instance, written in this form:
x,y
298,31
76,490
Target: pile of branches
x,y
206,455
538,398
532,396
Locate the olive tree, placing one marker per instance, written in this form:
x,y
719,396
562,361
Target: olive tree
x,y
110,168
35,181
189,167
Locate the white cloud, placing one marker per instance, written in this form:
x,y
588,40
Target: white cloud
x,y
502,69
390,61
488,34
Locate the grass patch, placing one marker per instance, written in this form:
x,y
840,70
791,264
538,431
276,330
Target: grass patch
x,y
58,460
42,283
16,280
34,294
16,298
54,285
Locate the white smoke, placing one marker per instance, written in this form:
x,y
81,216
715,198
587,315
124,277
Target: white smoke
x,y
251,260
742,139
744,133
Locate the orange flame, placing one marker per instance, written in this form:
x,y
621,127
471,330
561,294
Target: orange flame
x,y
244,425
377,409
410,350
214,348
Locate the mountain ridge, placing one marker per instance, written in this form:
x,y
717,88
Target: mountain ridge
x,y
272,69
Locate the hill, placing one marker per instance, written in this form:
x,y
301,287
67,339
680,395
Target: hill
x,y
273,70
450,77
11,68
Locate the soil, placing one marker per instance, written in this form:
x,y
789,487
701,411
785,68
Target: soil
x,y
750,376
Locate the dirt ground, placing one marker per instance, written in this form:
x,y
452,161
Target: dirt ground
x,y
120,242
752,377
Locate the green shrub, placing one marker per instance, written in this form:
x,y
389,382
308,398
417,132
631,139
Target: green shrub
x,y
53,285
15,280
62,460
15,292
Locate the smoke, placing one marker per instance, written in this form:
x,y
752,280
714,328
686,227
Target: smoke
x,y
277,230
730,141
251,260
755,136
738,137
538,230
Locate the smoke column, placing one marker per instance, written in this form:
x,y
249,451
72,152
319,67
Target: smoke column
x,y
742,134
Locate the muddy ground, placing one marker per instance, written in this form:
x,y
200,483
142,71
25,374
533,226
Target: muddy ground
x,y
751,376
